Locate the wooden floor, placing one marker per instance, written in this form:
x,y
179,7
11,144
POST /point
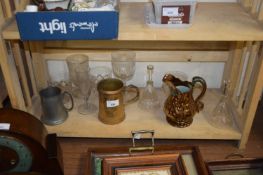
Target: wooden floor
x,y
75,159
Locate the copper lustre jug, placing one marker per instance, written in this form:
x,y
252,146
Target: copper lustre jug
x,y
180,106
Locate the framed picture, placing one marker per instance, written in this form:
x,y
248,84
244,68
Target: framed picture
x,y
190,156
247,166
159,164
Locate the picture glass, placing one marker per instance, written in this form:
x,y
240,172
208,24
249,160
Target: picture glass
x,y
190,164
145,171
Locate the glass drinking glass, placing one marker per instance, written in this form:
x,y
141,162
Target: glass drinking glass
x,y
75,62
97,74
85,84
123,67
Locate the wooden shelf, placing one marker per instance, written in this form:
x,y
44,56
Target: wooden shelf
x,y
89,126
212,22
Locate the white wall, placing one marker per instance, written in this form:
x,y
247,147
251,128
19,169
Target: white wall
x,y
211,72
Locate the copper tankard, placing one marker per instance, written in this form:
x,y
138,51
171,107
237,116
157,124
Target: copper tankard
x,y
111,103
180,106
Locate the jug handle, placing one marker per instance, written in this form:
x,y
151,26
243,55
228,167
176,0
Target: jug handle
x,y
204,87
132,88
71,99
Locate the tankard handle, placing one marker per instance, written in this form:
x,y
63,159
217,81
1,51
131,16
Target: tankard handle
x,y
132,88
204,87
71,99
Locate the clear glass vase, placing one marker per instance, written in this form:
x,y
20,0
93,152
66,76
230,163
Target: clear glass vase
x,y
76,62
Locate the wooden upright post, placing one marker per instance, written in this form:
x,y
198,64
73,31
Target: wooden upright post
x,y
260,12
253,96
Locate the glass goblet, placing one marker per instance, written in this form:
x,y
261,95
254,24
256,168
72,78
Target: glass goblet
x,y
123,65
85,84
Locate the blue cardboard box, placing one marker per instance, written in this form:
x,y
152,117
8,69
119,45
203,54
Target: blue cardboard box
x,y
68,25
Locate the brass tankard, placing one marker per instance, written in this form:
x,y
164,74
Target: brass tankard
x,y
111,103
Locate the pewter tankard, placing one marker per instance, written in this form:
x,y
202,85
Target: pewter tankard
x,y
53,108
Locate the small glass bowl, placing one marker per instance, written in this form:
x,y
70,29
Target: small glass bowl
x,y
99,73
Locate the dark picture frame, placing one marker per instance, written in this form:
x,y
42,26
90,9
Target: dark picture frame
x,y
144,164
244,166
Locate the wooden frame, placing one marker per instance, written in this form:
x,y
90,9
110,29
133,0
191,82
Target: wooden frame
x,y
96,156
144,164
228,167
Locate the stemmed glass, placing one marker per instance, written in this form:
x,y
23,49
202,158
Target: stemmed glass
x,y
123,66
75,62
85,84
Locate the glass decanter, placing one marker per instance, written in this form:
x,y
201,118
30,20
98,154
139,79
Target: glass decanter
x,y
221,115
149,98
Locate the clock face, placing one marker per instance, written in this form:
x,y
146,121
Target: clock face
x,y
14,155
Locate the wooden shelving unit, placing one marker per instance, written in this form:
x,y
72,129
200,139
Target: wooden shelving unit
x,y
223,32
